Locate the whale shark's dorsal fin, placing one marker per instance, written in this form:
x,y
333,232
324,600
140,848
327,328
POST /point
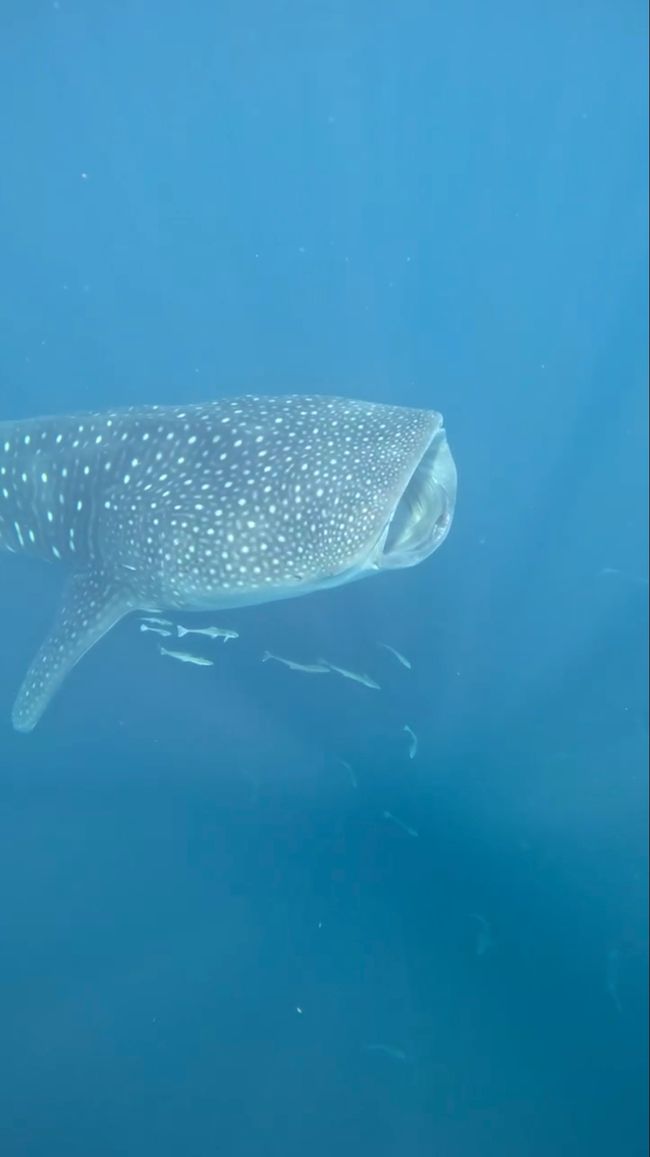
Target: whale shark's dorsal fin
x,y
92,603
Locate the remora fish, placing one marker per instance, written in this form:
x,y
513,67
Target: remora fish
x,y
306,668
209,507
398,655
413,741
187,657
156,622
400,823
211,632
355,676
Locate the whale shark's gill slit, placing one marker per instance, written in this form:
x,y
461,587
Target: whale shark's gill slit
x,y
92,603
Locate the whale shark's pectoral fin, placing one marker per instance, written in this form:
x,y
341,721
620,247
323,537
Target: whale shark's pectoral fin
x,y
92,603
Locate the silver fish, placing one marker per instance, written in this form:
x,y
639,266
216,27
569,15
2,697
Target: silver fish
x,y
306,668
413,745
400,824
355,676
210,632
209,507
155,630
398,655
187,657
350,770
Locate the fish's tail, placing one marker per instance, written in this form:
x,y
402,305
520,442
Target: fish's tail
x,y
182,630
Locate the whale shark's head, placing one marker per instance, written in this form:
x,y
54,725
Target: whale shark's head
x,y
422,515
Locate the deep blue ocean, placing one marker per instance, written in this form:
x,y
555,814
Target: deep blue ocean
x,y
213,940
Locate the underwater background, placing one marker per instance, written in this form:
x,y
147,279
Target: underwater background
x,y
213,939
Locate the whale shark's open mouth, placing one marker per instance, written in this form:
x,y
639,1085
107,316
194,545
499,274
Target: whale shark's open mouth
x,y
421,520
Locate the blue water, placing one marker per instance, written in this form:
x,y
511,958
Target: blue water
x,y
211,939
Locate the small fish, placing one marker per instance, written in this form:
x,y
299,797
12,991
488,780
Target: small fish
x,y
350,770
212,632
186,657
395,1054
365,680
484,938
398,655
156,622
400,823
307,668
155,630
413,745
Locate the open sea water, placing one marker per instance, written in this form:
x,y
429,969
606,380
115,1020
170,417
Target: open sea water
x,y
237,918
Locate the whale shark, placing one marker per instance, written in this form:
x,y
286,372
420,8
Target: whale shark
x,y
207,507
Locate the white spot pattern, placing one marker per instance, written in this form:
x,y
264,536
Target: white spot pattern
x,y
299,489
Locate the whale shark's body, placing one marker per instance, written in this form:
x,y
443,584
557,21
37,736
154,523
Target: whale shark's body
x,y
203,507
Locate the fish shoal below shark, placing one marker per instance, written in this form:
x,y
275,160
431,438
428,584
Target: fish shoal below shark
x,y
209,507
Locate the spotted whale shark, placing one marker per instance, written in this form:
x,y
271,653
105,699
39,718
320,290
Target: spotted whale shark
x,y
206,507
